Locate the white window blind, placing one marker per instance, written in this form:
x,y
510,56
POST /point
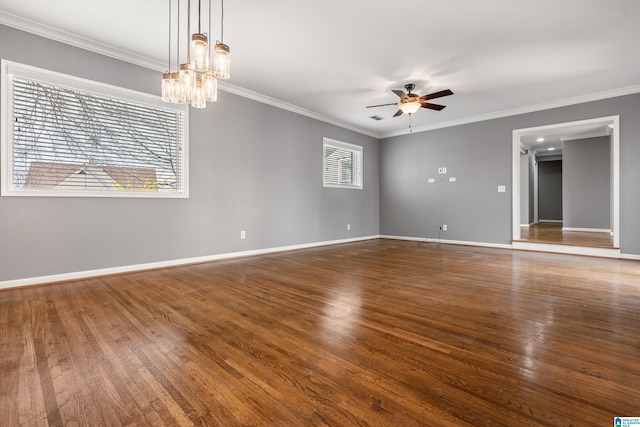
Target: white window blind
x,y
342,164
71,137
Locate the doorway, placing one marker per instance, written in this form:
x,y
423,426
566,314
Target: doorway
x,y
524,140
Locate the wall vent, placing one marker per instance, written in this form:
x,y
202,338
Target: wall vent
x,y
376,117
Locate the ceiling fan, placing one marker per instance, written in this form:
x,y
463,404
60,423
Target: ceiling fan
x,y
411,102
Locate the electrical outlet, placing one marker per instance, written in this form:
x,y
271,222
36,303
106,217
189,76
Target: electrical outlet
x,y
243,234
444,169
502,188
432,180
452,179
348,226
444,227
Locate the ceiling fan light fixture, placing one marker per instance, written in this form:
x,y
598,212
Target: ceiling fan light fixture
x,y
410,107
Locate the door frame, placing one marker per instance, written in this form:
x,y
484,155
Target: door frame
x,y
611,121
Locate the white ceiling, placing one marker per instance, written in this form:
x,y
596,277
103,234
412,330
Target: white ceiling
x,y
332,58
547,140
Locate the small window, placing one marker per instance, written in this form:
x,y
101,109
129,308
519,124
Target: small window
x,y
65,136
342,165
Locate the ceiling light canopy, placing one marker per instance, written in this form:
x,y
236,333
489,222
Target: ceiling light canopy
x,y
194,82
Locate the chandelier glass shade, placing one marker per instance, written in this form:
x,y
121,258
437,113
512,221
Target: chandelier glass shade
x,y
194,82
199,53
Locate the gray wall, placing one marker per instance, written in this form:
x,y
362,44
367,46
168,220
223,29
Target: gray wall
x,y
587,183
252,167
550,190
480,155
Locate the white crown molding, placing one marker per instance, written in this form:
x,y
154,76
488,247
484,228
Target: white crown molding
x,y
628,90
52,33
103,49
255,96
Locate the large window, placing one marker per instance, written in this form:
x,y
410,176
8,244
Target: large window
x,y
342,164
64,136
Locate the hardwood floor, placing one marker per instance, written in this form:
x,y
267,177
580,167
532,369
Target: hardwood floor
x,y
380,333
549,232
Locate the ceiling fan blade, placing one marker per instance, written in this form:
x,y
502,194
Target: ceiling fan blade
x,y
437,107
381,105
434,95
398,113
400,93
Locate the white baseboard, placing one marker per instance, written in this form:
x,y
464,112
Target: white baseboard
x,y
567,249
574,250
555,221
448,242
588,230
163,264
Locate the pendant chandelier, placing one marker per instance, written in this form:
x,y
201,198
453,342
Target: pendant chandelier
x,y
194,82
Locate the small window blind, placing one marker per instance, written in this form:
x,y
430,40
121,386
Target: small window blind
x,y
342,164
90,140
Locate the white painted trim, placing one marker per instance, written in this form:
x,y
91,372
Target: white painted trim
x,y
574,250
9,69
588,230
160,66
627,90
103,49
171,263
448,242
566,249
515,185
525,225
52,33
550,221
615,172
255,96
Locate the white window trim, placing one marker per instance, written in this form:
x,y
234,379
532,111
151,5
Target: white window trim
x,y
9,68
346,146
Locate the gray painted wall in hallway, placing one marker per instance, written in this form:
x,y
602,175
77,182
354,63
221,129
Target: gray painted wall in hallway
x,y
479,155
550,190
586,183
253,167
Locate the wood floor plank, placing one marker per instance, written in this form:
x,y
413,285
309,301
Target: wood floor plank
x,y
374,333
553,233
